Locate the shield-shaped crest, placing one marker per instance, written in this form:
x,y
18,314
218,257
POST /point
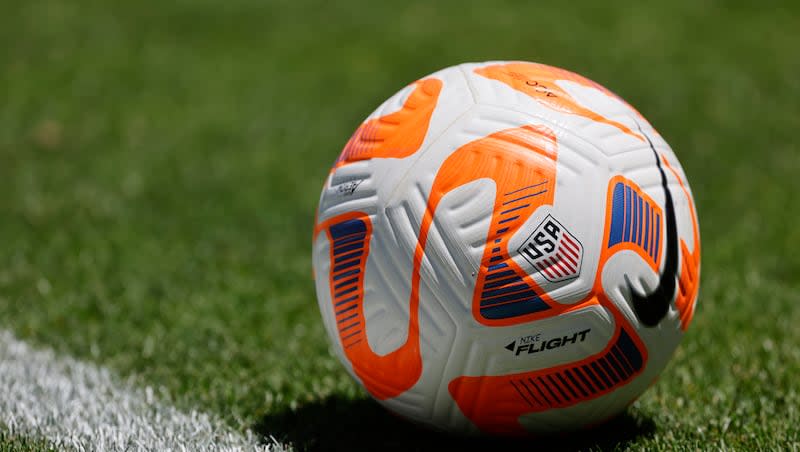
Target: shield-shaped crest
x,y
553,251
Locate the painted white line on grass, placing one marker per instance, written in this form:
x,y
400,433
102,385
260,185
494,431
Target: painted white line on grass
x,y
78,405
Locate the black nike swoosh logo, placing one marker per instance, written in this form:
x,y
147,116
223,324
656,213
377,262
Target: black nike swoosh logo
x,y
653,307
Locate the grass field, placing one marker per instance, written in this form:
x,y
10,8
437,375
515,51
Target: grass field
x,y
161,164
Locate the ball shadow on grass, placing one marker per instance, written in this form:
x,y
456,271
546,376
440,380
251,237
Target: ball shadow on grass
x,y
339,424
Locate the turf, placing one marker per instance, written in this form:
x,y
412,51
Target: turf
x,y
161,163
22,445
14,443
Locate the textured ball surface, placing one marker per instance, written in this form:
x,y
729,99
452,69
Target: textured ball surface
x,y
508,248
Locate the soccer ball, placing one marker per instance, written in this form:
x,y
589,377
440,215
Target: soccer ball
x,y
507,248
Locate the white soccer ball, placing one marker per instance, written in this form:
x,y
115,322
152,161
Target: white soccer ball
x,y
508,248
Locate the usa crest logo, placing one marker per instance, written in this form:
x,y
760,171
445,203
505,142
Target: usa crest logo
x,y
553,251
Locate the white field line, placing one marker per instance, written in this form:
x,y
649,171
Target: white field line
x,y
77,405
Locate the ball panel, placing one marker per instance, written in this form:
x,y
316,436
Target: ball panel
x,y
495,403
543,83
522,164
387,375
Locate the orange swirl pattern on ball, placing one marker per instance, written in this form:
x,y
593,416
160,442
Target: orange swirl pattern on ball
x,y
539,82
522,164
398,134
384,376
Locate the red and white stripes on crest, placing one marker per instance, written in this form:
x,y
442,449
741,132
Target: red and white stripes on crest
x,y
564,262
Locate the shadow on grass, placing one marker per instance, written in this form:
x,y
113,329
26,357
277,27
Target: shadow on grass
x,y
339,424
